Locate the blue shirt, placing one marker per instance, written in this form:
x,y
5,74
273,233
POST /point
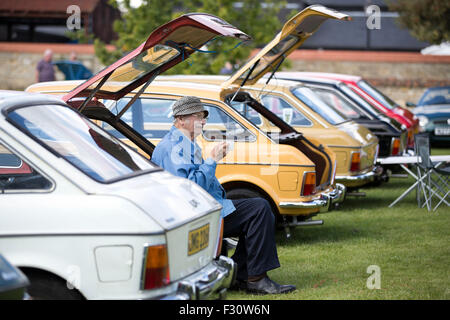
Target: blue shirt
x,y
182,157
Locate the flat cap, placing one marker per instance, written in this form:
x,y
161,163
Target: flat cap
x,y
188,105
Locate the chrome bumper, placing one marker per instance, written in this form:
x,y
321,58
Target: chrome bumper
x,y
210,283
366,177
323,202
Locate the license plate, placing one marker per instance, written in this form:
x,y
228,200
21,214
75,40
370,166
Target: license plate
x,y
198,239
442,131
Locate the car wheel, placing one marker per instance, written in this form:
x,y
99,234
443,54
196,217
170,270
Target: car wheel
x,y
44,286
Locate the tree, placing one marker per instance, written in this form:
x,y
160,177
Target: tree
x,y
427,20
256,18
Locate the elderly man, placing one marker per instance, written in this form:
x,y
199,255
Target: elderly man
x,y
251,220
44,68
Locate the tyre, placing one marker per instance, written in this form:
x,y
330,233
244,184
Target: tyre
x,y
45,286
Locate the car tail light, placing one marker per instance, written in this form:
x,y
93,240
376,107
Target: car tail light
x,y
219,240
156,272
356,161
410,137
309,183
395,149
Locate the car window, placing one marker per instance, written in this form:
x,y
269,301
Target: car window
x,y
338,103
377,95
68,134
221,126
285,111
152,118
435,96
17,176
360,101
308,97
247,112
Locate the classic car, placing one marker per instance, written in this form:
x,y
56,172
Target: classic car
x,y
433,111
292,172
355,146
392,138
99,221
378,99
13,283
94,219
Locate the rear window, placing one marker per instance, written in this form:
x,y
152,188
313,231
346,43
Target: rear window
x,y
70,135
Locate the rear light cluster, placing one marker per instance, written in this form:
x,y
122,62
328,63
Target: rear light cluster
x,y
410,137
356,162
156,267
309,183
395,147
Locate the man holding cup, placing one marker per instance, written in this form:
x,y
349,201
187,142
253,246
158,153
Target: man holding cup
x,y
251,220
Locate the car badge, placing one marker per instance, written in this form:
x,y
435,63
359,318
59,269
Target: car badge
x,y
369,136
194,203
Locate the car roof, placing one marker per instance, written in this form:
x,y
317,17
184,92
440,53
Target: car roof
x,y
10,98
303,76
279,82
335,76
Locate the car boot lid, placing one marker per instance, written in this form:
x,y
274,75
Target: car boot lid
x,y
166,46
293,34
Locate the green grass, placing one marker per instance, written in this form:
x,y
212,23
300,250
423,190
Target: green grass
x,y
410,245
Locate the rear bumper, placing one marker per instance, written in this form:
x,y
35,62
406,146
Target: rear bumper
x,y
209,283
362,179
323,202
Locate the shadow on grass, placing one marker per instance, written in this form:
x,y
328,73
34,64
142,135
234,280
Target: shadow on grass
x,y
321,234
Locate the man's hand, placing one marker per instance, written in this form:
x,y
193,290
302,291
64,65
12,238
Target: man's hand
x,y
219,151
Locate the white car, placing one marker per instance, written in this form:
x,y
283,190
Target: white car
x,y
85,216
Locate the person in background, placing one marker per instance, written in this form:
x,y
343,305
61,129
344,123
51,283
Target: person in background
x,y
252,220
227,68
44,69
73,56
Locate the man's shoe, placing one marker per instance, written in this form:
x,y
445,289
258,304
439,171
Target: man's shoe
x,y
239,285
268,286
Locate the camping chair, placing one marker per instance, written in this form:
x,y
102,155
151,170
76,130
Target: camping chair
x,y
433,181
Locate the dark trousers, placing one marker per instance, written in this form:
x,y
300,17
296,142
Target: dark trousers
x,y
254,223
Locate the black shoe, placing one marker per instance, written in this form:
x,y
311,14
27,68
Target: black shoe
x,y
239,285
267,286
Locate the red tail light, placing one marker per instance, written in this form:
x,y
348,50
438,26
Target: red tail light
x,y
395,146
156,273
309,183
356,161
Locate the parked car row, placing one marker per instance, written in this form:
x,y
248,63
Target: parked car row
x,y
86,214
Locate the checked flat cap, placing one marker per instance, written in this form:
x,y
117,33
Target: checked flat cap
x,y
188,105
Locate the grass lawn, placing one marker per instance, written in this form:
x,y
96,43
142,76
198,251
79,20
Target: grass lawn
x,y
411,247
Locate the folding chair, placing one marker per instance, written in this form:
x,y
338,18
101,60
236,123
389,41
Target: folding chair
x,y
433,182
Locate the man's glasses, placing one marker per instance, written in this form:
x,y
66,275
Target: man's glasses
x,y
200,116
